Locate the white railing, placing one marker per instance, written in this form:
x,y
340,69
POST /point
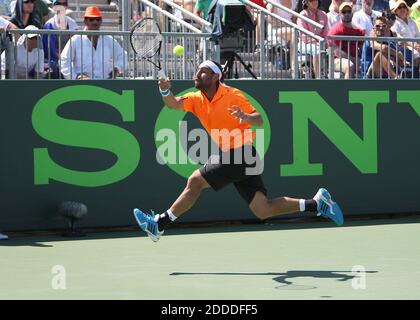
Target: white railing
x,y
40,64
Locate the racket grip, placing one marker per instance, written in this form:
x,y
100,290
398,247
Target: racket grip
x,y
162,74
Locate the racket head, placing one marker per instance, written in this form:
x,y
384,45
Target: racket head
x,y
146,40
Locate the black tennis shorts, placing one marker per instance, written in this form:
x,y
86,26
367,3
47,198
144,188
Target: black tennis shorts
x,y
240,166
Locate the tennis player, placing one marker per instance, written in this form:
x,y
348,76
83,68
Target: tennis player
x,y
220,107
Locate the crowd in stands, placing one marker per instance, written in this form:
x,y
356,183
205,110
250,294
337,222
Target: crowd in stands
x,y
73,57
60,56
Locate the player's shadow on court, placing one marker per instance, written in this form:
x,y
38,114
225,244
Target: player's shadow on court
x,y
285,279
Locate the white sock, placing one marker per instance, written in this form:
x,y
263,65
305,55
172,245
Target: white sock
x,y
171,215
302,205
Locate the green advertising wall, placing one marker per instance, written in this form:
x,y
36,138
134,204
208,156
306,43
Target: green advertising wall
x,y
95,142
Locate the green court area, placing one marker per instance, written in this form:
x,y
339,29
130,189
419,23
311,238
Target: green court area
x,y
262,261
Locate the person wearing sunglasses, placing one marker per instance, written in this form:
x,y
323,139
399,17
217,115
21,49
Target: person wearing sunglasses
x,y
380,59
29,12
92,56
346,52
53,43
405,27
23,14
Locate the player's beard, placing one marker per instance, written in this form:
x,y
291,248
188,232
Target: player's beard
x,y
196,83
199,84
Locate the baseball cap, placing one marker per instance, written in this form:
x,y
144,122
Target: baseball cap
x,y
345,4
31,35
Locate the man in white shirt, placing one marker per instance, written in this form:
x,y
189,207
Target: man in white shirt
x,y
92,57
365,17
29,62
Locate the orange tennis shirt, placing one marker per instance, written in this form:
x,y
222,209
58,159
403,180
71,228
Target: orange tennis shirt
x,y
223,128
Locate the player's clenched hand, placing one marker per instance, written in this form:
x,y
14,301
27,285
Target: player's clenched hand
x,y
237,112
164,84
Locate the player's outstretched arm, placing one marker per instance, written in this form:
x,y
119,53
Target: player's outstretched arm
x,y
168,98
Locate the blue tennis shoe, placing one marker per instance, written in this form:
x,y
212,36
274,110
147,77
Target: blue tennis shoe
x,y
147,224
328,208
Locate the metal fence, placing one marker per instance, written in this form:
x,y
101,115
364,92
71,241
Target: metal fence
x,y
373,58
276,49
78,57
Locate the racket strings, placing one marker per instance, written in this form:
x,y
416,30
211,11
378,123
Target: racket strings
x,y
147,39
147,46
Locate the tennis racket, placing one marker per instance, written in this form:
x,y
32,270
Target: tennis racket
x,y
146,40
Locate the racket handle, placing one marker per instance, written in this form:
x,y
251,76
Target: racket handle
x,y
162,74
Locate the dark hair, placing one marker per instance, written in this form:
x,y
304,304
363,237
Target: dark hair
x,y
305,4
381,18
389,15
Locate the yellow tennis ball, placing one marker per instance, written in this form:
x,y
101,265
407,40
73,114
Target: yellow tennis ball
x,y
178,50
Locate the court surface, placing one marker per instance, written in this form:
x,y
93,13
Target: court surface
x,y
259,261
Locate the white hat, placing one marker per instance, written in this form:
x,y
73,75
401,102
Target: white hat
x,y
391,4
31,35
397,4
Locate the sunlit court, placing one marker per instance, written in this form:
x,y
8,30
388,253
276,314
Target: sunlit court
x,y
366,259
191,151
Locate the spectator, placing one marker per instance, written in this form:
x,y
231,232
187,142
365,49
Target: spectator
x,y
53,44
385,57
23,14
290,4
405,27
3,236
279,29
256,18
346,53
102,55
310,46
29,62
365,17
333,14
280,33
